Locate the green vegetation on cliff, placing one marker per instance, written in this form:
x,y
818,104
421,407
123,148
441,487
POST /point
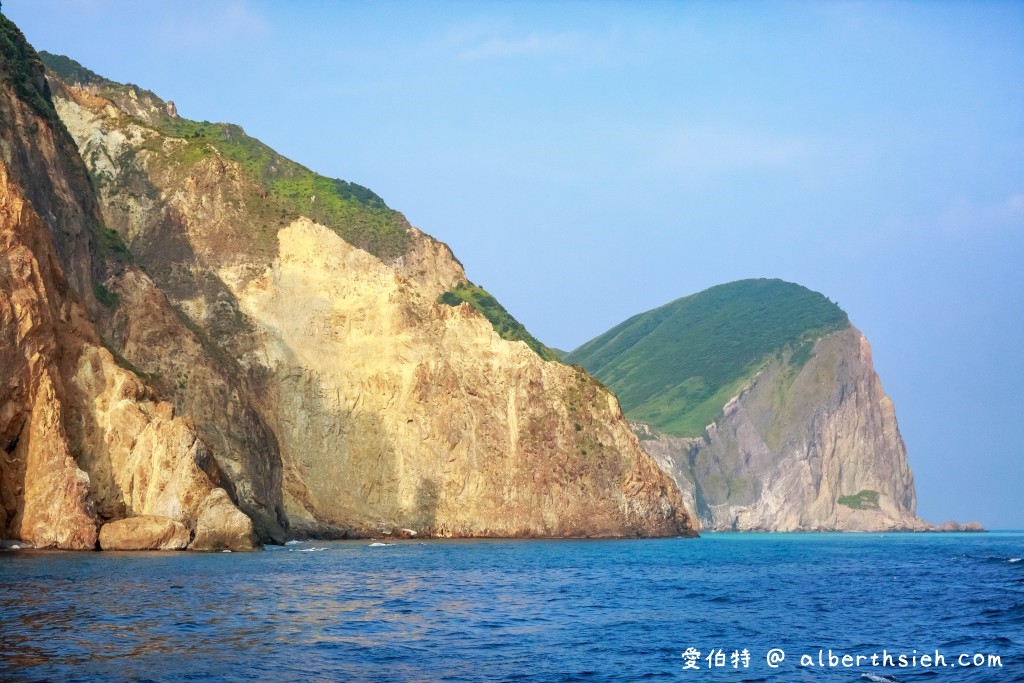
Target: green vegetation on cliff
x,y
71,71
357,214
676,366
20,67
865,500
501,320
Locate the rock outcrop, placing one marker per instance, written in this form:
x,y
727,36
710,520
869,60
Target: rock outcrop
x,y
83,440
801,447
761,400
953,526
297,324
146,532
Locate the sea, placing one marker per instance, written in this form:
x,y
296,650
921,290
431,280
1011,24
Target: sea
x,y
723,607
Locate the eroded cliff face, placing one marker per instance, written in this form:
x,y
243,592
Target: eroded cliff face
x,y
804,446
83,441
336,393
390,408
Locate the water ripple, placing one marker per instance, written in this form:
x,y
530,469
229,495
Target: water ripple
x,y
514,610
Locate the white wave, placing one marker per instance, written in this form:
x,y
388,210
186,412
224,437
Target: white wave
x,y
1014,559
292,542
380,545
878,679
225,551
14,545
307,550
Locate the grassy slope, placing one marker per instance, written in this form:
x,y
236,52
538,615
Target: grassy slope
x,y
356,213
675,367
501,320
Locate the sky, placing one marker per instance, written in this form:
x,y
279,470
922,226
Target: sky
x,y
588,161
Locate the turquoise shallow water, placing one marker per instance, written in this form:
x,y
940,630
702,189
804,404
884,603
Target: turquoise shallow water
x,y
520,610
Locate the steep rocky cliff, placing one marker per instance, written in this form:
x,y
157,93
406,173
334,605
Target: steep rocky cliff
x,y
346,377
796,432
83,441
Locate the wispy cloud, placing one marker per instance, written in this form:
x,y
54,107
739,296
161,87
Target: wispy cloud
x,y
967,217
217,27
704,150
530,45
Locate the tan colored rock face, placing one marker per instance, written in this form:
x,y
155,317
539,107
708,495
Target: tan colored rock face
x,y
149,532
53,509
43,492
377,407
82,439
222,526
796,443
393,410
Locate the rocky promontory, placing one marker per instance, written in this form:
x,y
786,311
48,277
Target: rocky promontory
x,y
209,345
762,402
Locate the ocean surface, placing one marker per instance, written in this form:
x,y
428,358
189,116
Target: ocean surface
x,y
624,610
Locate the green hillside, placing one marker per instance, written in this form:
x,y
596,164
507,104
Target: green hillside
x,y
674,367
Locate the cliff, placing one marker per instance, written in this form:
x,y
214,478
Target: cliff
x,y
83,441
343,375
797,433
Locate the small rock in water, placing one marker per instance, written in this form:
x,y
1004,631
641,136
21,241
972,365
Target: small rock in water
x,y
144,532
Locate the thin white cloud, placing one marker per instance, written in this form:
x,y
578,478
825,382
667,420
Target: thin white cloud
x,y
967,217
530,45
213,27
1013,207
704,150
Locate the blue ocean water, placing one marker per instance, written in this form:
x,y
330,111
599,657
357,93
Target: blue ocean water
x,y
622,610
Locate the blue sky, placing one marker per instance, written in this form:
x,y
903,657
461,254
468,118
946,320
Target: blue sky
x,y
589,161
